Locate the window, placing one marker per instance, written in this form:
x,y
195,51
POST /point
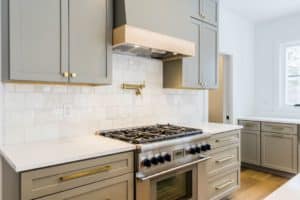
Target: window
x,y
291,72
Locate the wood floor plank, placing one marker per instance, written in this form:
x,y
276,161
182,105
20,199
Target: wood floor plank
x,y
257,185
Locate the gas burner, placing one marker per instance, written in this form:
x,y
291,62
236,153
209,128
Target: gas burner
x,y
148,134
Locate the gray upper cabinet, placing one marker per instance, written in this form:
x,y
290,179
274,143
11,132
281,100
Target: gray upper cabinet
x,y
35,41
208,53
199,71
90,41
73,45
209,11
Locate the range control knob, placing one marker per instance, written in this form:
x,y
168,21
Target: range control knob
x,y
192,151
167,157
154,161
161,159
204,148
208,147
198,149
146,163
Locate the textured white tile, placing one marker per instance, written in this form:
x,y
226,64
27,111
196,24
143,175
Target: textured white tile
x,y
35,112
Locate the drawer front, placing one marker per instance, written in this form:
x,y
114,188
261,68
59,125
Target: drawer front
x,y
223,185
51,180
119,188
225,139
222,159
250,125
279,128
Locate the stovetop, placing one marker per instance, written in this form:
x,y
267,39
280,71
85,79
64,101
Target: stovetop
x,y
148,134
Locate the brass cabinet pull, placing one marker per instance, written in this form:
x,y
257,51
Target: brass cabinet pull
x,y
224,159
73,75
66,74
224,185
85,173
226,140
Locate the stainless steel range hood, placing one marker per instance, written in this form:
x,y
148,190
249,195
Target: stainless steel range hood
x,y
135,36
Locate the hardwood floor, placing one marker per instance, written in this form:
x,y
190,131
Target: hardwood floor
x,y
257,185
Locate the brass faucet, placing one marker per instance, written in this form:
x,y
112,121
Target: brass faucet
x,y
137,87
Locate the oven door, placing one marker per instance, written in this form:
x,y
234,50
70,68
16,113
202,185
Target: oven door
x,y
179,183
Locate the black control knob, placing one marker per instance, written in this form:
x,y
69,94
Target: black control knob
x,y
147,163
154,161
203,148
208,147
192,151
167,157
161,159
198,149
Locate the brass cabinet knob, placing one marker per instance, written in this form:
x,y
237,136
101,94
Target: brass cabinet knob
x,y
73,75
65,74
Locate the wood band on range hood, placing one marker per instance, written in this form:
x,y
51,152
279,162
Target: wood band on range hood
x,y
137,36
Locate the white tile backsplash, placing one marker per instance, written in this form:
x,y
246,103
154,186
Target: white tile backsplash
x,y
34,112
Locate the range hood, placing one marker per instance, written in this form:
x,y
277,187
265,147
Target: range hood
x,y
134,33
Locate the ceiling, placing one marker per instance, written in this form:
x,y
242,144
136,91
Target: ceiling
x,y
261,10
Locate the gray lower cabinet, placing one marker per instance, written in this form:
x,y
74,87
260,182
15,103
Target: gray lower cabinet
x,y
112,189
279,151
109,177
250,147
73,45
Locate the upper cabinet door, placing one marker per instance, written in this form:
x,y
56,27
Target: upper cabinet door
x,y
208,50
209,11
90,39
35,42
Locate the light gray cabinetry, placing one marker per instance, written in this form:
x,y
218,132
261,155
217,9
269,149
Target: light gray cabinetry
x,y
224,166
73,45
90,36
108,177
209,11
119,188
250,143
34,41
279,151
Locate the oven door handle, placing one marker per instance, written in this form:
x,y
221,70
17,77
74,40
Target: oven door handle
x,y
141,176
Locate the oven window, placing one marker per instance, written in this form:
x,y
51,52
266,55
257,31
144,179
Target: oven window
x,y
177,187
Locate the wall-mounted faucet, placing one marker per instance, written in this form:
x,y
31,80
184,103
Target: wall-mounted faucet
x,y
137,87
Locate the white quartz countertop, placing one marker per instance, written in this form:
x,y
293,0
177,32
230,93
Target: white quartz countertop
x,y
29,156
289,191
272,119
43,154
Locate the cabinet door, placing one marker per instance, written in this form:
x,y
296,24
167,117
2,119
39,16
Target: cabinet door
x,y
208,52
279,151
36,41
209,11
90,37
119,188
250,147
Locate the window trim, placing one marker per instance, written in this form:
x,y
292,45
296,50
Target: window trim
x,y
282,76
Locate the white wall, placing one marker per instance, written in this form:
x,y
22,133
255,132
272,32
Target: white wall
x,y
268,36
237,40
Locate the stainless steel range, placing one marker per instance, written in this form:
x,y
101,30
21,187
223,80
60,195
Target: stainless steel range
x,y
169,161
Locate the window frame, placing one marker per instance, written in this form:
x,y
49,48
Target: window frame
x,y
283,76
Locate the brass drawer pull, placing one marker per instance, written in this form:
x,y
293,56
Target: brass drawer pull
x,y
65,74
73,75
224,185
227,140
85,173
224,159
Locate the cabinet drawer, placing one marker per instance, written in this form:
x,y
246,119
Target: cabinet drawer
x,y
51,180
119,188
279,128
250,125
222,159
225,139
223,185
